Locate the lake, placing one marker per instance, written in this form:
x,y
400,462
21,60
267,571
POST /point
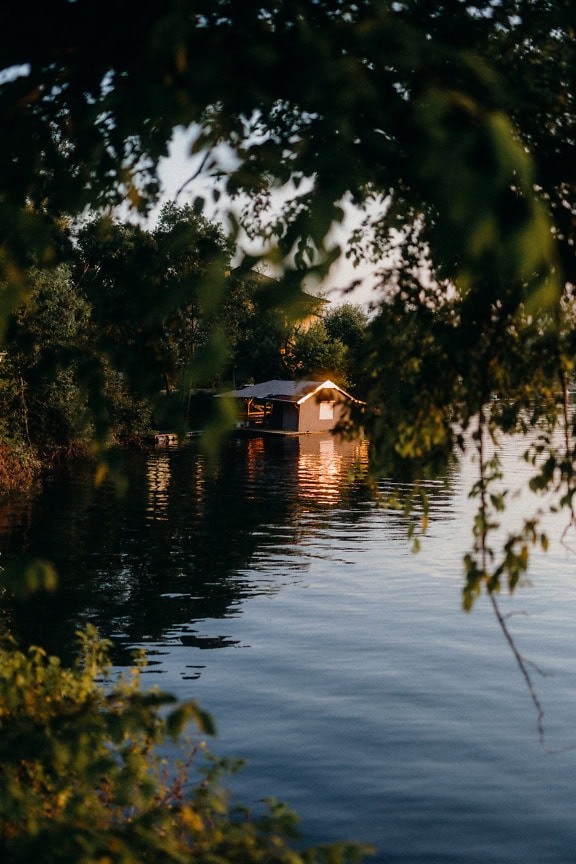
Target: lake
x,y
274,589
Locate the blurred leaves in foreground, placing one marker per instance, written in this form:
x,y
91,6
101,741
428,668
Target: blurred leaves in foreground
x,y
87,773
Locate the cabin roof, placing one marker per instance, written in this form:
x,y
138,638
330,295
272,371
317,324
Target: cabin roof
x,y
278,390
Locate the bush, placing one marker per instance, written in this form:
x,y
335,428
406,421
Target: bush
x,y
18,466
83,781
129,416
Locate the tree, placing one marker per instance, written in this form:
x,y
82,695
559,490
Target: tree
x,y
195,257
349,324
262,318
260,351
154,295
313,354
392,87
46,337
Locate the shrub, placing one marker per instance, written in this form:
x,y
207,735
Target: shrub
x,y
18,465
83,781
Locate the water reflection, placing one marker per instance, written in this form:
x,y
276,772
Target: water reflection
x,y
326,466
158,477
188,543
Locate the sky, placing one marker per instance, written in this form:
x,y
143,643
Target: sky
x,y
179,167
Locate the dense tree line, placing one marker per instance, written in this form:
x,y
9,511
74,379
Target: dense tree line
x,y
115,338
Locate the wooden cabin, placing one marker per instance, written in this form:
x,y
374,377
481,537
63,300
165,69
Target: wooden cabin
x,y
292,406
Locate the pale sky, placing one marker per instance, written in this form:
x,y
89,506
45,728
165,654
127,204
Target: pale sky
x,y
179,167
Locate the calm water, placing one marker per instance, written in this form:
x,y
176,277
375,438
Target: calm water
x,y
338,663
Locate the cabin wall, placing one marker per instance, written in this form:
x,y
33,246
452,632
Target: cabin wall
x,y
321,416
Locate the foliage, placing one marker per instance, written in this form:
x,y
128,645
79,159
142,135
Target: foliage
x,y
41,372
257,328
331,347
57,388
152,291
18,465
313,354
347,322
88,350
392,89
83,778
393,93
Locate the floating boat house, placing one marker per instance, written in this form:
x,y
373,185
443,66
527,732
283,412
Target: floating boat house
x,y
292,406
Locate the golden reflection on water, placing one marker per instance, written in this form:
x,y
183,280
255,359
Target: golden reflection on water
x,y
321,466
326,464
158,474
255,452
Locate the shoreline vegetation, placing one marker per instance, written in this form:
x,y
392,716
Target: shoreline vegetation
x,y
84,778
132,331
19,467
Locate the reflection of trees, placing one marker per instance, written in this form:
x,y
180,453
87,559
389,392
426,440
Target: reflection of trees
x,y
187,543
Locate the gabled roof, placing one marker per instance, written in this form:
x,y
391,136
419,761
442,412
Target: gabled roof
x,y
294,391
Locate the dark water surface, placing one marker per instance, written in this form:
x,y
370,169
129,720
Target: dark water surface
x,y
339,664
